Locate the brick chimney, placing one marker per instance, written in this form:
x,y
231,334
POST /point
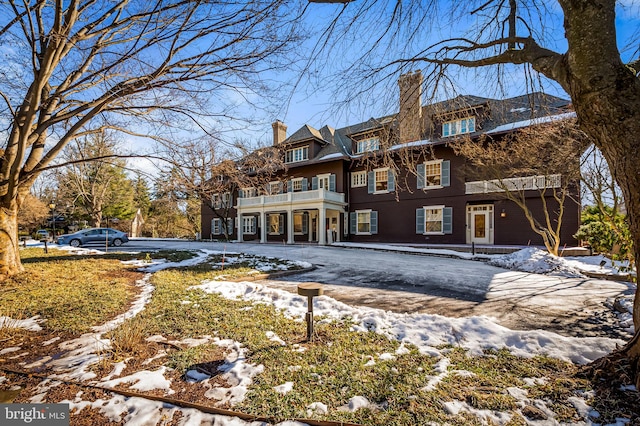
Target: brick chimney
x,y
410,115
279,132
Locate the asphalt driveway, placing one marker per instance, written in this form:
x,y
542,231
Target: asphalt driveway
x,y
452,287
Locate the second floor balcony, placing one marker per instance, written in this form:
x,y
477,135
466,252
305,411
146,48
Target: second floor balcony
x,y
292,198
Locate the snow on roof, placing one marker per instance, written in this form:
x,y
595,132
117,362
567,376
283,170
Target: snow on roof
x,y
531,122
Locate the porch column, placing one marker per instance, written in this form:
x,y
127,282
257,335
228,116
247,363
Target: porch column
x,y
240,227
322,226
290,239
263,227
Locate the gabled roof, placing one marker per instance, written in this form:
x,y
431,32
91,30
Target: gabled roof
x,y
460,102
304,133
370,124
501,115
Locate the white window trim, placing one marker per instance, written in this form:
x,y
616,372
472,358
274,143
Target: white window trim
x,y
426,185
357,215
363,179
375,181
274,184
249,189
455,127
269,216
294,181
248,225
325,177
291,152
368,145
216,223
441,208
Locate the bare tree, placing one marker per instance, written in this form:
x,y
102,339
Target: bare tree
x,y
75,68
211,172
571,43
543,160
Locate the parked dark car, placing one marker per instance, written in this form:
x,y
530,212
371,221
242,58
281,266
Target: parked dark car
x,y
94,236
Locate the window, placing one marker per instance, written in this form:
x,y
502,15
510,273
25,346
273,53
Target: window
x,y
219,201
248,193
297,154
275,188
364,222
381,180
367,145
433,174
249,225
459,127
216,226
358,179
434,220
324,181
296,185
300,223
275,224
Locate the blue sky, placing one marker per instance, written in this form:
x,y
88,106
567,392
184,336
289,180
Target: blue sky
x,y
315,102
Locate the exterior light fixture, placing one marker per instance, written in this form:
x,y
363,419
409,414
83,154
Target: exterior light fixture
x,y
503,213
310,290
52,206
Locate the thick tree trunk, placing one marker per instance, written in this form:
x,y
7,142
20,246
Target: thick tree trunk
x,y
606,97
9,255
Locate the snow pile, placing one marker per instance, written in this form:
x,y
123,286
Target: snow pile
x,y
536,261
427,332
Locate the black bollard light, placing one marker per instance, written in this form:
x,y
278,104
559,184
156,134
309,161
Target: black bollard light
x,y
310,290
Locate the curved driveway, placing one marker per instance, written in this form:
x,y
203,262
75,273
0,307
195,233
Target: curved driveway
x,y
440,285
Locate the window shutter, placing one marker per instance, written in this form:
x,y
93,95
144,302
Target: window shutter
x,y
371,182
280,188
391,180
281,225
240,193
447,220
305,184
445,171
373,226
289,186
332,183
253,225
229,225
353,223
305,223
314,183
419,221
420,173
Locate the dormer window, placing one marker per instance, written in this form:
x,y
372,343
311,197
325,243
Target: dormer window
x,y
367,145
297,154
459,127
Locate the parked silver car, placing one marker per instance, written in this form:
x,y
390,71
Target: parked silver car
x,y
109,236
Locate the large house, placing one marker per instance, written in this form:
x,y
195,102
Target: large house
x,y
396,179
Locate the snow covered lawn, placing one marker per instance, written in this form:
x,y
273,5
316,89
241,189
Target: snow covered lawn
x,y
241,346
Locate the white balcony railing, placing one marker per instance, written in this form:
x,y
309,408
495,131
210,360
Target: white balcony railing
x,y
513,184
292,198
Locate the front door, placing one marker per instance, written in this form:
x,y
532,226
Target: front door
x,y
480,224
